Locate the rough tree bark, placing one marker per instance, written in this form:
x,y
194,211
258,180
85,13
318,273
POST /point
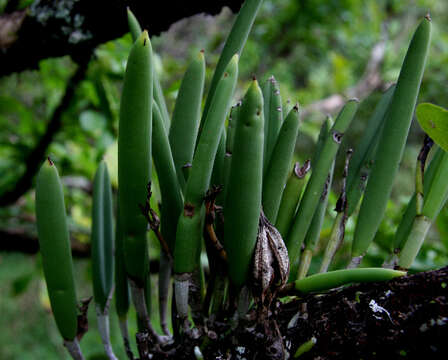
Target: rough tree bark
x,y
53,28
403,318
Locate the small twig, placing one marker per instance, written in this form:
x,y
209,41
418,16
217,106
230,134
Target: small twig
x,y
215,251
338,231
36,155
210,208
154,222
424,151
216,243
420,172
341,205
143,342
83,323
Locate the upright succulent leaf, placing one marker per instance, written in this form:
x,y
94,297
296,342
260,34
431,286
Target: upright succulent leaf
x,y
122,291
168,182
102,237
186,116
243,201
234,44
364,154
279,164
189,232
134,153
134,25
290,198
315,186
273,118
136,30
391,145
434,121
55,248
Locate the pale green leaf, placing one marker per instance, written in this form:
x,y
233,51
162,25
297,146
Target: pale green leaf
x,y
433,120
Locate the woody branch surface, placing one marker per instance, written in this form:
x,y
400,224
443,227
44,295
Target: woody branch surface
x,y
74,28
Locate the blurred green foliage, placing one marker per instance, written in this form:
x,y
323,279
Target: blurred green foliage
x,y
314,48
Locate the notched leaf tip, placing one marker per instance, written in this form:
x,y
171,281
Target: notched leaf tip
x,y
337,137
299,171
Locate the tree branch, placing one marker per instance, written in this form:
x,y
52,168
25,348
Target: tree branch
x,y
37,154
404,317
77,27
20,241
370,81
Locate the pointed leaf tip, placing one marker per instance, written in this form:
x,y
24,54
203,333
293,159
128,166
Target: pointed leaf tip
x,y
145,37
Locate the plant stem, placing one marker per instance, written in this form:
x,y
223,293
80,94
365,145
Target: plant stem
x,y
337,235
313,191
195,296
138,298
305,262
338,230
313,234
355,262
125,335
243,302
164,287
102,317
415,240
74,349
218,295
181,288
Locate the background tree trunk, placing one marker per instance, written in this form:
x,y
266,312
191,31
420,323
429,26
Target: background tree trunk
x,y
52,28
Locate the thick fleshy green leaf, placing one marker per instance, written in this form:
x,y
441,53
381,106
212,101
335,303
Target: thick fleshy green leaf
x,y
433,120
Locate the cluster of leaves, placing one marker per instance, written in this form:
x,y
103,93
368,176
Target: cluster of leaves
x,y
93,117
